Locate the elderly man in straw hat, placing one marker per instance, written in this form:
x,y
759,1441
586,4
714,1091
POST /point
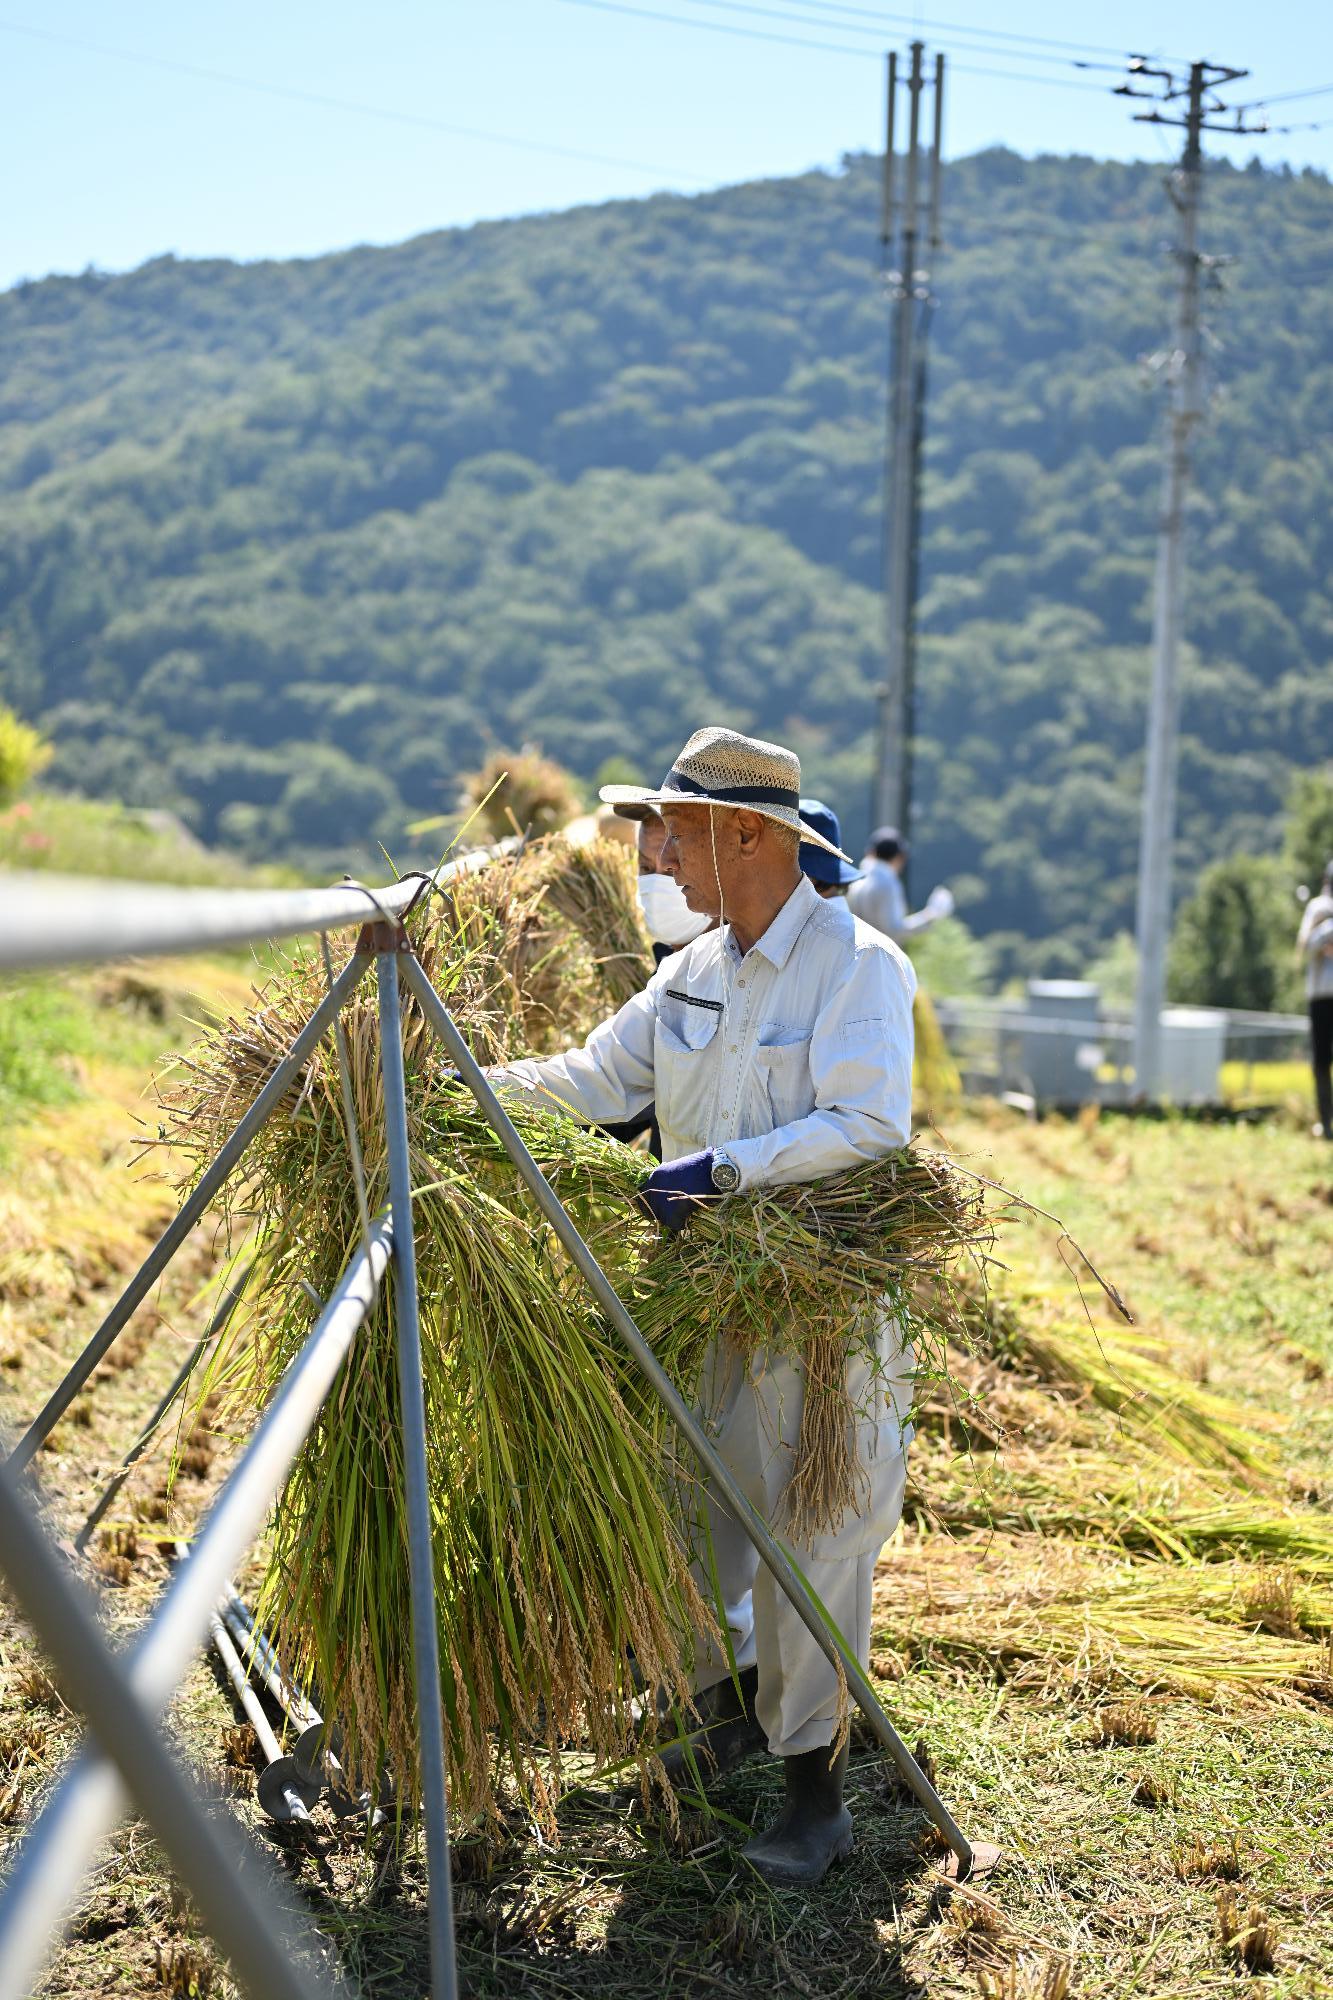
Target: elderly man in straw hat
x,y
778,1048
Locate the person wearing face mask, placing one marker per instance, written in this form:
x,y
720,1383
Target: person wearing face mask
x,y
670,924
668,918
777,1049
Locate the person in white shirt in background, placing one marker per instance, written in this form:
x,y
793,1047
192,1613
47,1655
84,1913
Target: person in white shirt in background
x,y
1315,941
778,1048
879,898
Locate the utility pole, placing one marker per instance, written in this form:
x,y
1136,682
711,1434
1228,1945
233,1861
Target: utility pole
x,y
1197,98
908,282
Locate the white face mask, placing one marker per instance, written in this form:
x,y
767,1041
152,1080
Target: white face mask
x,y
668,916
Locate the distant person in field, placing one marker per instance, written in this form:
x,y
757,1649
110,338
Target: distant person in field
x,y
777,1047
828,874
879,898
1315,940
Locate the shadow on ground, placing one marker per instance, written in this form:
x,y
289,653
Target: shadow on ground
x,y
632,1908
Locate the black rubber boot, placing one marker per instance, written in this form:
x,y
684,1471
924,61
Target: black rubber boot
x,y
728,1733
814,1828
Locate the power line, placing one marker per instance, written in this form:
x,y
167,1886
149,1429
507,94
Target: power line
x,y
898,21
386,113
1019,76
1286,97
722,28
797,15
800,42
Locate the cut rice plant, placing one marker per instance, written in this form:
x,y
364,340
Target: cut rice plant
x,y
810,1269
1132,1376
520,791
1083,1617
936,1082
1249,1939
590,891
561,931
1087,1495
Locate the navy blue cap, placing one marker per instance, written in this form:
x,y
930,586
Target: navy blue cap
x,y
815,862
886,842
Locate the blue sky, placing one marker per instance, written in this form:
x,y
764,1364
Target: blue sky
x,y
277,128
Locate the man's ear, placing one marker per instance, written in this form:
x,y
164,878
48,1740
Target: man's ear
x,y
749,830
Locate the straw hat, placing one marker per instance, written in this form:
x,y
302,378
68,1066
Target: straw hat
x,y
601,825
718,767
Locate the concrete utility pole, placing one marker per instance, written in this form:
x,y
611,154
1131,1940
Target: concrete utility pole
x,y
1157,837
909,289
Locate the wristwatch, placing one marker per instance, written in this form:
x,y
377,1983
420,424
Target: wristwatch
x,y
726,1175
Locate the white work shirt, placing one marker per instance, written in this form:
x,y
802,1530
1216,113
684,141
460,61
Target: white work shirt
x,y
1314,941
879,898
796,1058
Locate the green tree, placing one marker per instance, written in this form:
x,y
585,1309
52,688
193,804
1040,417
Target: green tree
x,y
1308,847
1231,945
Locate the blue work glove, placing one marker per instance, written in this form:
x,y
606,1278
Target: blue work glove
x,y
671,1190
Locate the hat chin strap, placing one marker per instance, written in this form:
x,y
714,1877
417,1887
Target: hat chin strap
x,y
724,966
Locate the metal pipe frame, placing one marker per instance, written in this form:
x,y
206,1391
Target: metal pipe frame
x,y
284,1793
420,1540
91,1796
231,1298
196,1204
216,1864
766,1545
261,1658
48,920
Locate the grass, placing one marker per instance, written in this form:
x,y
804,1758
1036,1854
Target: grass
x,y
1221,1239
72,836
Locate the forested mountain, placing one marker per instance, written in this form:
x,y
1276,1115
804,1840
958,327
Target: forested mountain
x,y
287,546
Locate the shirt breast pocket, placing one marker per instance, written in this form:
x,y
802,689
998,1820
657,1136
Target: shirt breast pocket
x,y
784,1072
683,1074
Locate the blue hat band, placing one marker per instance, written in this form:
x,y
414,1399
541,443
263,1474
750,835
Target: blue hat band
x,y
734,795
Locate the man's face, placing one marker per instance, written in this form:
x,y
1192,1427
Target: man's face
x,y
649,840
688,856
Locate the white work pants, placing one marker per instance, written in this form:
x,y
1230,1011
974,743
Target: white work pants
x,y
753,1415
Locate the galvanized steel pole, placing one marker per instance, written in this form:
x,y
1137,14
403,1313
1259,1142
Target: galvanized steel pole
x,y
227,1304
256,1934
210,1184
421,1563
51,1863
50,920
769,1550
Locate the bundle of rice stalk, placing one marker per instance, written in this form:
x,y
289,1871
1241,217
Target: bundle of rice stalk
x,y
811,1270
551,1476
520,791
590,890
562,929
1047,1611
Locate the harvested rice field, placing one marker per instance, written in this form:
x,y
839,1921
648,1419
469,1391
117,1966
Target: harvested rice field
x,y
1107,1618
